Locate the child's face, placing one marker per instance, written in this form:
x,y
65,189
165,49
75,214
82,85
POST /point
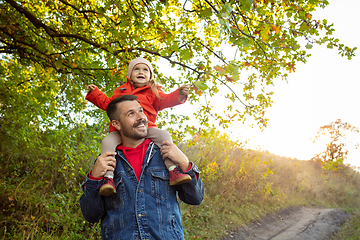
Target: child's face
x,y
140,74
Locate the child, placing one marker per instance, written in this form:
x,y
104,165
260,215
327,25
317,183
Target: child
x,y
140,83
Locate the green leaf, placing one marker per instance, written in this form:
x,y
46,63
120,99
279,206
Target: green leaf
x,y
228,8
246,5
200,85
265,33
308,46
245,42
207,12
58,64
185,54
234,40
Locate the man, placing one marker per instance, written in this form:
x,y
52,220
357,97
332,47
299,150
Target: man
x,y
145,206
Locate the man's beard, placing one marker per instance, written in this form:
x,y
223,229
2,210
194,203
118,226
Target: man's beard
x,y
135,134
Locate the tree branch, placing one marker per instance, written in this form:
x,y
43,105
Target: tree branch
x,y
231,91
78,10
36,22
185,9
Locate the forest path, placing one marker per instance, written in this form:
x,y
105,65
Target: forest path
x,y
295,223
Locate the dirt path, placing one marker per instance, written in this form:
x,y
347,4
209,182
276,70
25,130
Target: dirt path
x,y
295,223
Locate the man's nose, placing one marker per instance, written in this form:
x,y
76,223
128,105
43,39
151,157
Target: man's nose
x,y
141,116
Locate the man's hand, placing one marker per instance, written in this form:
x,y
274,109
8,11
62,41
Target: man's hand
x,y
171,151
105,162
91,88
184,91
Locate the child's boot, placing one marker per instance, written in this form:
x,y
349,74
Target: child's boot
x,y
177,177
108,187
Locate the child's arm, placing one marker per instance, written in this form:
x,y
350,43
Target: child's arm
x,y
97,97
172,99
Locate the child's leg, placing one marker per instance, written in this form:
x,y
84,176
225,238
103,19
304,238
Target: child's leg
x,y
158,136
177,177
109,144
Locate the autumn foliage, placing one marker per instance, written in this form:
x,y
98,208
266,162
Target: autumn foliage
x,y
336,151
50,50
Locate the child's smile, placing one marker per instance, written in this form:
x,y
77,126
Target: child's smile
x,y
140,74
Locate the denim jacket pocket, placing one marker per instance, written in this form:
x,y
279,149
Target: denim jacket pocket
x,y
160,187
176,226
117,200
120,192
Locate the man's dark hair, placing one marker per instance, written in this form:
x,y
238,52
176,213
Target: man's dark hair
x,y
111,109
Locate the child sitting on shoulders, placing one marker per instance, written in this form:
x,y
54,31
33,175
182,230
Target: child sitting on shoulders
x,y
140,82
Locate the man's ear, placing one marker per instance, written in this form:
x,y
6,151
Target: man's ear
x,y
116,124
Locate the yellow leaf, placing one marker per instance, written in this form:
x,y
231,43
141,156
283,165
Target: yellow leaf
x,y
229,79
276,29
265,33
220,69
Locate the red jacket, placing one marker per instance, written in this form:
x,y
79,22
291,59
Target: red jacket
x,y
148,100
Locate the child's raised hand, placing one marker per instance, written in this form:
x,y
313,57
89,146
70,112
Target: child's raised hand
x,y
91,88
184,91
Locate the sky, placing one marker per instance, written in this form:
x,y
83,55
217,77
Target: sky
x,y
324,89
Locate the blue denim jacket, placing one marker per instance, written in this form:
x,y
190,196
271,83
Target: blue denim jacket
x,y
144,209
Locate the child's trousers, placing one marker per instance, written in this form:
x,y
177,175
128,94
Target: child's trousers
x,y
113,139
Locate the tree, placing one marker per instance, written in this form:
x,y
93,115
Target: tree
x,y
336,151
51,49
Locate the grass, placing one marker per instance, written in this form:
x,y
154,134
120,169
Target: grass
x,y
351,229
39,195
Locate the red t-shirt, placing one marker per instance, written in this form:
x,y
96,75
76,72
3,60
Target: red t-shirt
x,y
135,156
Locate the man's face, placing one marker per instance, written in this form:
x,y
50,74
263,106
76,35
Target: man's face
x,y
133,122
